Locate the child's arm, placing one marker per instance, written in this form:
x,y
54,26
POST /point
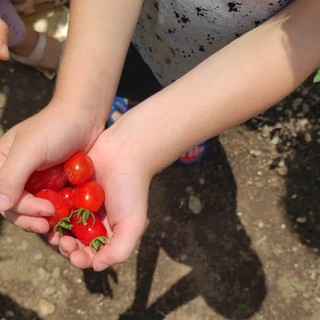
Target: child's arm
x,y
243,79
99,35
4,33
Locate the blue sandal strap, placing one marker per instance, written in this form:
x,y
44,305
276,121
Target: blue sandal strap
x,y
119,104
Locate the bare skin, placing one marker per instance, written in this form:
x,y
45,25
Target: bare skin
x,y
52,51
272,60
197,149
26,46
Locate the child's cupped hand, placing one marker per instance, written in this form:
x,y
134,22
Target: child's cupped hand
x,y
126,186
46,139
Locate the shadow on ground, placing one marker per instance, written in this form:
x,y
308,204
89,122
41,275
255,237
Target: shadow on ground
x,y
11,310
294,127
225,270
302,201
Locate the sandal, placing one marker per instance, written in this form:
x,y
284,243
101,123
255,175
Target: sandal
x,y
29,7
185,159
37,55
120,105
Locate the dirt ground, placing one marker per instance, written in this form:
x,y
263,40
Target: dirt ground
x,y
234,237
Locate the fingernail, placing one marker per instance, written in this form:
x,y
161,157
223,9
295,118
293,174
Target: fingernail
x,y
62,250
4,202
4,50
100,267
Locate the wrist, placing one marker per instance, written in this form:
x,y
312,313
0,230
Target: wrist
x,y
85,95
76,122
142,144
89,112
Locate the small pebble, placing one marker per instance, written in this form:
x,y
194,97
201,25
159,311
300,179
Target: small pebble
x,y
194,204
296,103
56,272
46,308
301,219
275,140
38,256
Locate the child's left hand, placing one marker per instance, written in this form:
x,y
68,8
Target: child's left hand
x,y
4,37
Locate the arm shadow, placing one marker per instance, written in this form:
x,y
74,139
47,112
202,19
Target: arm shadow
x,y
224,269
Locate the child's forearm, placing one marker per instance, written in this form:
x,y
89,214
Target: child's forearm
x,y
241,80
99,34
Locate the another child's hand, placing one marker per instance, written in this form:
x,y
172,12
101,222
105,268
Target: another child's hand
x,y
126,185
41,141
4,35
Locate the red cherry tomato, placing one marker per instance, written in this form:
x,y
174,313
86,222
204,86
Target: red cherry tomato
x,y
61,208
88,228
78,168
68,196
52,178
89,195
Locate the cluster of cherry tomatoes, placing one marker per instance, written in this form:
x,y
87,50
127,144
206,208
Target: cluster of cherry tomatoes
x,y
76,196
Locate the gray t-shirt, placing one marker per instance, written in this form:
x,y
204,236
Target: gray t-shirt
x,y
173,36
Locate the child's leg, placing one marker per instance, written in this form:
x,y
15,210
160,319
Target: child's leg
x,y
26,45
17,28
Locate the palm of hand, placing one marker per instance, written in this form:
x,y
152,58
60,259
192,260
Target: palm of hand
x,y
125,208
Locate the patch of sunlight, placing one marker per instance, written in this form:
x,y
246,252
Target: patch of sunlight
x,y
3,101
167,273
53,22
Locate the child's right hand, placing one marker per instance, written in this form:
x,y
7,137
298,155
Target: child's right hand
x,y
4,37
46,139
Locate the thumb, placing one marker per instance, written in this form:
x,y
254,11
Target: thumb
x,y
14,172
127,214
4,38
123,242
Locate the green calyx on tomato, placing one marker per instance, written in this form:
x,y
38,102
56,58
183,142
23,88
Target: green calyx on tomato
x,y
86,227
317,77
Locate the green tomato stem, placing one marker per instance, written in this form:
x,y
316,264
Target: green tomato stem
x,y
97,242
317,77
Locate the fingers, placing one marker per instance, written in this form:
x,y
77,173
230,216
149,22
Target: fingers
x,y
124,239
82,258
16,167
126,206
27,223
32,206
79,255
53,238
4,35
